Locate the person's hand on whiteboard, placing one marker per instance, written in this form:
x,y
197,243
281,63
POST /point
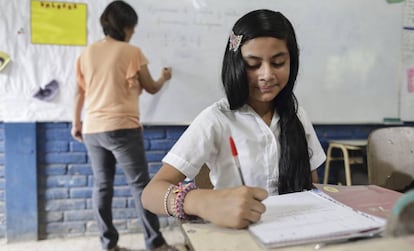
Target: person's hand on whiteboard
x,y
166,73
148,83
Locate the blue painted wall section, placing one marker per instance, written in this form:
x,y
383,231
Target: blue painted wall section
x,y
64,176
66,182
2,185
21,181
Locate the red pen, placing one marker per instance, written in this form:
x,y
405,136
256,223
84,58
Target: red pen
x,y
236,159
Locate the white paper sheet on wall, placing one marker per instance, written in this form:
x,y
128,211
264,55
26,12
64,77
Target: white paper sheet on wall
x,y
407,71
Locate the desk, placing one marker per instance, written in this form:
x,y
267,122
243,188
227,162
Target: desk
x,y
345,146
208,237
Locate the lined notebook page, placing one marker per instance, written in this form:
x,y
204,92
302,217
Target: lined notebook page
x,y
310,216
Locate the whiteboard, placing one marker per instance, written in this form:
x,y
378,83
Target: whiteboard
x,y
407,73
349,50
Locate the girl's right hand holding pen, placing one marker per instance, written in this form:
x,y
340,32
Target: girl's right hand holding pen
x,y
232,207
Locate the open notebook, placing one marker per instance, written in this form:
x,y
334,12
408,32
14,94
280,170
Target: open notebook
x,y
308,217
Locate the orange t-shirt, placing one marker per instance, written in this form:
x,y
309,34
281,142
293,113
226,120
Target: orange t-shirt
x,y
107,72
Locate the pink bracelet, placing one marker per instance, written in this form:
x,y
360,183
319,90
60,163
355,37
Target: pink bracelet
x,y
181,191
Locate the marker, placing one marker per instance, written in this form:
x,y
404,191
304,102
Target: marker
x,y
236,159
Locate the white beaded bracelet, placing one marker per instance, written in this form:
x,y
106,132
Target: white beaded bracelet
x,y
166,199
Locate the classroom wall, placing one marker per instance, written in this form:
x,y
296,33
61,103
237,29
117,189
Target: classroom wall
x,y
65,177
2,185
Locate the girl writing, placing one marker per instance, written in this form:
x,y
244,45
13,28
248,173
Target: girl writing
x,y
278,149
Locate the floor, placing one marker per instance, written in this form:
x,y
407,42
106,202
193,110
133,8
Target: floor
x,y
131,242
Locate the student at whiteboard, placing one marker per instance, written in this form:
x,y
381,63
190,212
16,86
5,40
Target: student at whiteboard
x,y
277,145
111,74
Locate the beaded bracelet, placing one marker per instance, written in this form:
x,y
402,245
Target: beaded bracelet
x,y
181,191
166,200
171,200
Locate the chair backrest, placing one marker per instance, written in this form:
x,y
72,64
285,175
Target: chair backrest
x,y
390,157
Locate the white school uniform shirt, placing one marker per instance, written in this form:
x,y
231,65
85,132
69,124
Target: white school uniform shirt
x,y
206,140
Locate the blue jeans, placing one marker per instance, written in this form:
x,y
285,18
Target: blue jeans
x,y
124,147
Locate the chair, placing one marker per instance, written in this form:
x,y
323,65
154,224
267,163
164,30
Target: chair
x,y
345,146
390,157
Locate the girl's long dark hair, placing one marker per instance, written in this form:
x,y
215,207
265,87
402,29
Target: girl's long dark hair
x,y
117,16
294,164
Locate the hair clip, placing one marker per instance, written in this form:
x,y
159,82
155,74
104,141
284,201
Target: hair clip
x,y
235,41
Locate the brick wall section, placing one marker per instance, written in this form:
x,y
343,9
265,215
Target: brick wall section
x,y
65,177
65,181
2,185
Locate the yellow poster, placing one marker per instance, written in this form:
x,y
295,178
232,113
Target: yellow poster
x,y
59,23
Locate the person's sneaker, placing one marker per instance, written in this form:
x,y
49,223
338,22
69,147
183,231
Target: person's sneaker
x,y
165,247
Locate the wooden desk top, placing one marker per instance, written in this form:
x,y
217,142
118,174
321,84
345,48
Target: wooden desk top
x,y
207,237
